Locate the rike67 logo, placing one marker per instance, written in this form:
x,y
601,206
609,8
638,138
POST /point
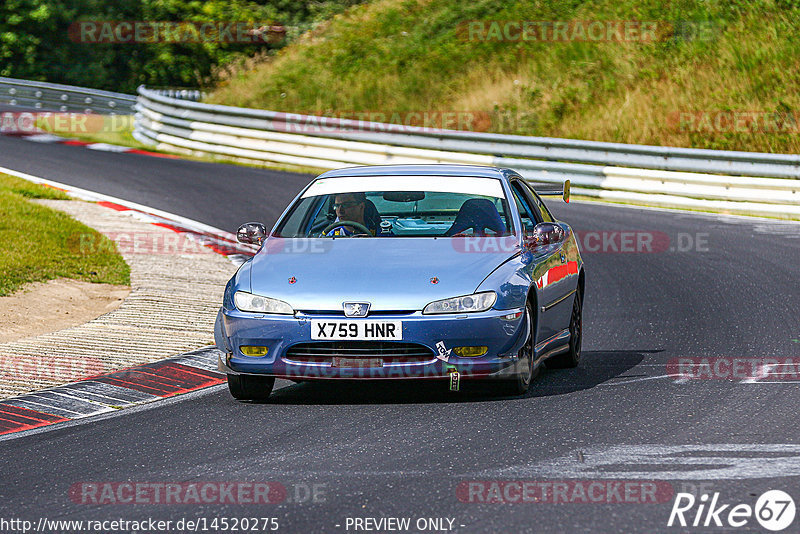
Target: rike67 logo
x,y
774,510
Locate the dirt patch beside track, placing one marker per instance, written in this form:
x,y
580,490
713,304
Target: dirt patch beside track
x,y
44,307
176,290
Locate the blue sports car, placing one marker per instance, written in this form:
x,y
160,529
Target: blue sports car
x,y
442,272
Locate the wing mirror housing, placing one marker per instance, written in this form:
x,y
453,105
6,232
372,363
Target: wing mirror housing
x,y
252,233
544,233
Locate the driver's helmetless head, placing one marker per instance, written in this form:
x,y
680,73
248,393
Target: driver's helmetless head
x,y
350,207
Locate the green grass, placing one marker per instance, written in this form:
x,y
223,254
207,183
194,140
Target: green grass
x,y
114,130
38,243
123,138
410,55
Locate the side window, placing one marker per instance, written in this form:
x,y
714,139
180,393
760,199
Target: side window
x,y
296,222
540,206
323,216
546,216
309,216
528,222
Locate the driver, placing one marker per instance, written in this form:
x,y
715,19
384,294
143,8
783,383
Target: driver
x,y
350,207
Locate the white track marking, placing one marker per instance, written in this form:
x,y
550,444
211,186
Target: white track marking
x,y
762,372
642,379
44,138
766,371
105,147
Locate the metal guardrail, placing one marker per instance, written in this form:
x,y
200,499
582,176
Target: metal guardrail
x,y
30,95
173,119
511,146
193,95
734,181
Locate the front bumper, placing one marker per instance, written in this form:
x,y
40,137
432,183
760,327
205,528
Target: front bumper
x,y
503,337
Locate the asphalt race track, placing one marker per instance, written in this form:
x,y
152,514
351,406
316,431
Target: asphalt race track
x,y
723,289
196,190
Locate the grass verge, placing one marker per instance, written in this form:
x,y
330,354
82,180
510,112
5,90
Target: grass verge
x,y
111,129
122,138
39,244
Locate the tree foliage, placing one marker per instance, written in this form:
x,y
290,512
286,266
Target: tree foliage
x,y
36,43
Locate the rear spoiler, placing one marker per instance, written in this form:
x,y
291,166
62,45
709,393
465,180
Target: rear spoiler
x,y
563,193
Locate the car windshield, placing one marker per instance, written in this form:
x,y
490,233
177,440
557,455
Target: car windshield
x,y
393,206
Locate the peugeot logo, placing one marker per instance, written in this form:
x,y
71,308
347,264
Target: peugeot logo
x,y
356,309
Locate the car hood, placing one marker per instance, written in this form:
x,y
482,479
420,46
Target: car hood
x,y
392,274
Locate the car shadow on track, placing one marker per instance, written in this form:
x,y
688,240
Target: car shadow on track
x,y
596,367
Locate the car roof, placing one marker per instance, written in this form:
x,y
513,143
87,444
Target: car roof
x,y
420,170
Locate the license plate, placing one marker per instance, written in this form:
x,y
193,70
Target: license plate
x,y
359,363
363,330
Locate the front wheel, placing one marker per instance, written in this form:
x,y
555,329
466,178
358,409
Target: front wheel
x,y
247,387
521,382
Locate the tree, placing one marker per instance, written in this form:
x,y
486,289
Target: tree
x,y
36,41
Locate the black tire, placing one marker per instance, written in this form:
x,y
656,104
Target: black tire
x,y
572,357
247,387
521,381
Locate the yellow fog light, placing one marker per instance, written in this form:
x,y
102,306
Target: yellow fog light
x,y
470,352
249,350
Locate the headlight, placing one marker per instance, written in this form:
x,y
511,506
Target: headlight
x,y
477,302
248,302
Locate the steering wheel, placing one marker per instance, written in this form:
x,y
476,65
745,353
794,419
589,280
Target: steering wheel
x,y
336,224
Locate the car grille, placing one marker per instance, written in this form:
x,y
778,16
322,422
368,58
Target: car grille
x,y
389,352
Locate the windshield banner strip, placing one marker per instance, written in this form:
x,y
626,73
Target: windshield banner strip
x,y
490,187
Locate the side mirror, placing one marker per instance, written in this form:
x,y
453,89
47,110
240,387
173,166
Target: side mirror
x,y
544,233
252,233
